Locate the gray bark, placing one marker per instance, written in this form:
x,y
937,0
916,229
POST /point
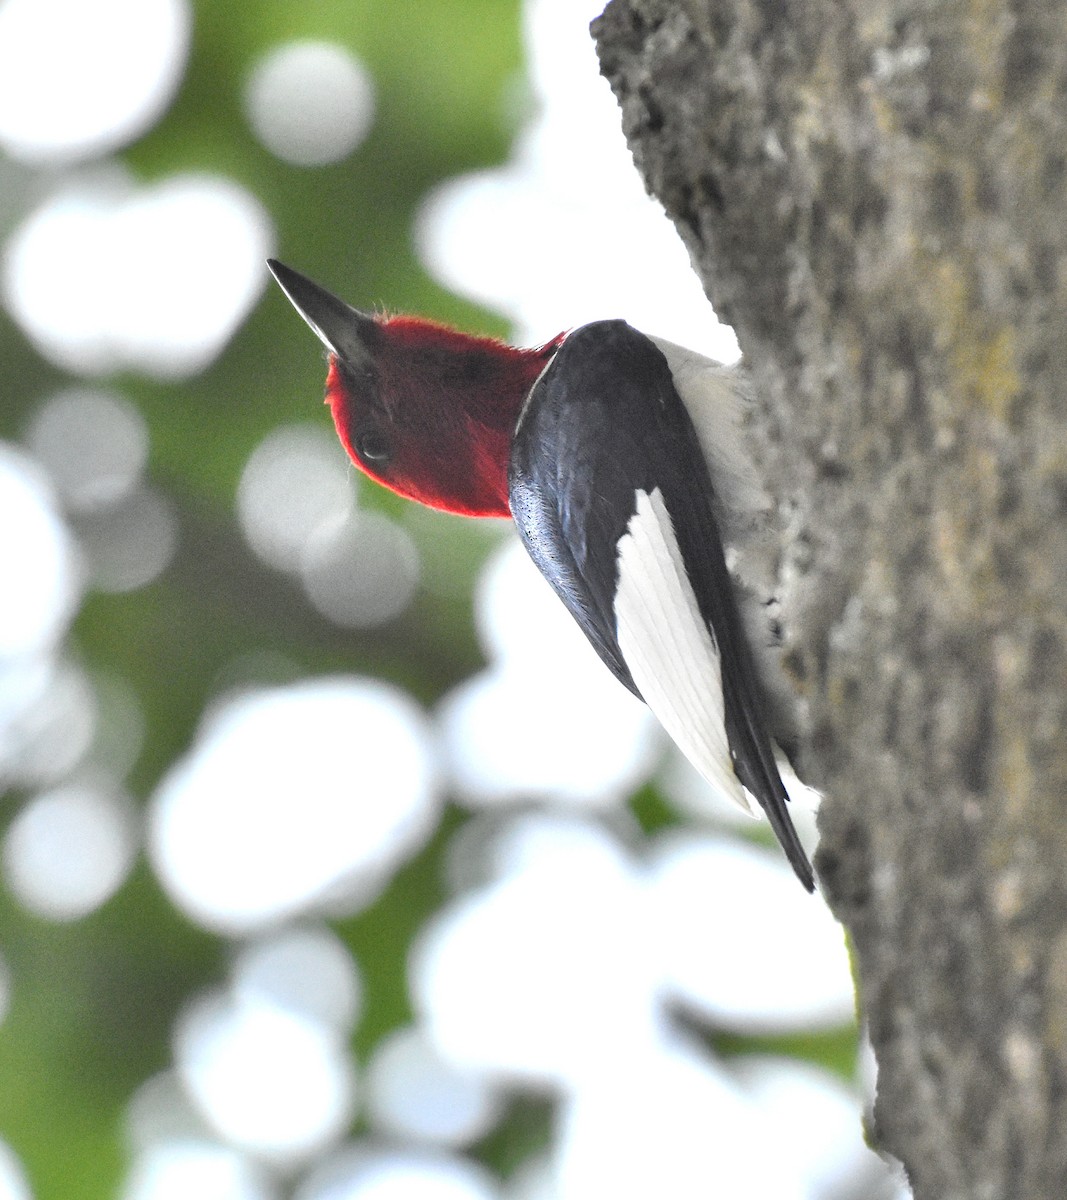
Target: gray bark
x,y
874,193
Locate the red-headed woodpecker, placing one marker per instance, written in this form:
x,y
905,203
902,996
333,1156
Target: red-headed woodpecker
x,y
613,452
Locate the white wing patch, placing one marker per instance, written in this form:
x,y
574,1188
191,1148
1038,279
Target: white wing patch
x,y
667,647
714,397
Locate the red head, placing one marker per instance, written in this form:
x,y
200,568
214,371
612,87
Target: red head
x,y
424,410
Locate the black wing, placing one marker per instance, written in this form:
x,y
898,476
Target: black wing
x,y
603,423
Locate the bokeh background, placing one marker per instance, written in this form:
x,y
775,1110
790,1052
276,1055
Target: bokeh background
x,y
333,864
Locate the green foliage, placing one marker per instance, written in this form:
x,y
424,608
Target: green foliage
x,y
93,1003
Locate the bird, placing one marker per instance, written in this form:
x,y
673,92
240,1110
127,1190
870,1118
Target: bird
x,y
616,454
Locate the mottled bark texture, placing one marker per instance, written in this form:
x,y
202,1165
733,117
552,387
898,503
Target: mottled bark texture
x,y
875,195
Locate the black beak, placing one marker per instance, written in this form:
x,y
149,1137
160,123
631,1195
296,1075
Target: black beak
x,y
343,330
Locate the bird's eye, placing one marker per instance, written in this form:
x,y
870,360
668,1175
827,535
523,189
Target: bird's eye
x,y
373,447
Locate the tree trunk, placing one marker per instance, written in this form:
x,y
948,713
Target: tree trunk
x,y
874,193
